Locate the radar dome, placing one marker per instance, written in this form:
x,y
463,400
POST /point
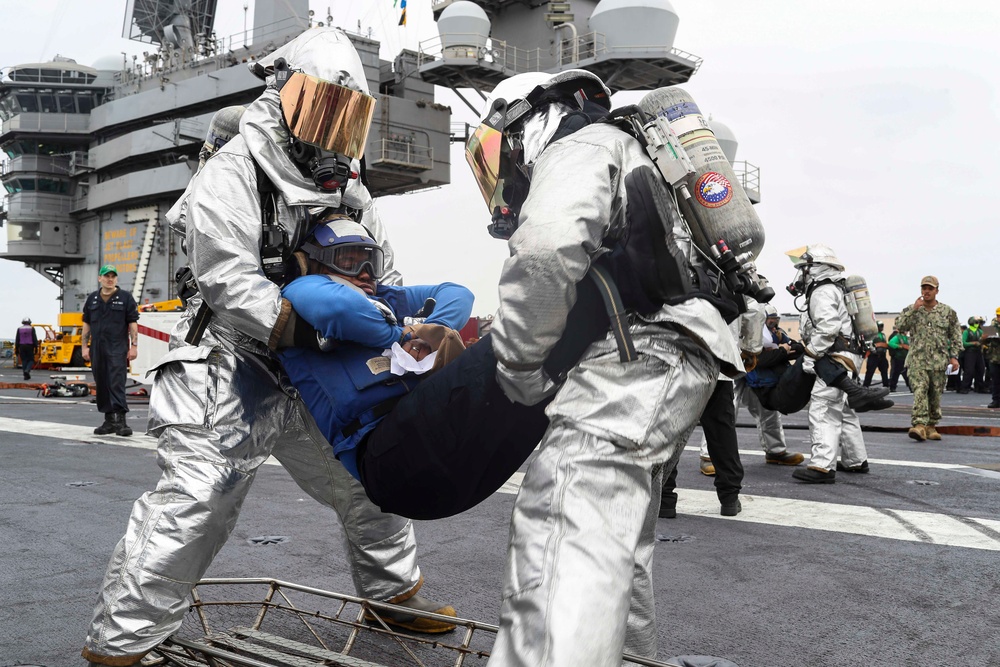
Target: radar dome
x,y
726,138
108,63
463,24
635,23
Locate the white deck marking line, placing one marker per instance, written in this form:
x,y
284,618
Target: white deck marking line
x,y
76,433
892,524
888,462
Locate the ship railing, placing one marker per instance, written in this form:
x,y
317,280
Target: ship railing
x,y
749,175
403,153
34,164
516,61
77,123
494,52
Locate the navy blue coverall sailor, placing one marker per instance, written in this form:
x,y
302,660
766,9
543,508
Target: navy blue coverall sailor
x,y
109,343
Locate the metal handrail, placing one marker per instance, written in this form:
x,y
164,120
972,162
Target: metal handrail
x,y
404,153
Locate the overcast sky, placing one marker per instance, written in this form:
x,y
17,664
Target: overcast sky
x,y
874,125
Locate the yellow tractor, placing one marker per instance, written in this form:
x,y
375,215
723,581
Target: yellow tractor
x,y
63,346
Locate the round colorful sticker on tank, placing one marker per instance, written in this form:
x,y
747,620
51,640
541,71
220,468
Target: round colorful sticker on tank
x,y
713,190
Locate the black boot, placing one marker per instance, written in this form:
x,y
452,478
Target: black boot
x,y
122,427
862,399
110,424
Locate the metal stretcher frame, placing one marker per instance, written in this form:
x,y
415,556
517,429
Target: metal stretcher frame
x,y
260,622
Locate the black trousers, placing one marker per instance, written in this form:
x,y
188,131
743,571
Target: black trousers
x,y
898,368
109,363
995,379
877,360
26,355
719,422
794,389
450,443
973,369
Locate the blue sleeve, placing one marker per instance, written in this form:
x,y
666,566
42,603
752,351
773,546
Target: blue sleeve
x,y
340,312
453,307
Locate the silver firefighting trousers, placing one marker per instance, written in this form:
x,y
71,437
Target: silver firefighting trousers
x,y
834,429
219,413
581,543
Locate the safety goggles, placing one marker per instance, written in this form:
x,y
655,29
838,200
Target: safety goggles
x,y
350,259
327,115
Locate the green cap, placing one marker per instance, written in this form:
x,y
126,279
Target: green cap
x,y
109,268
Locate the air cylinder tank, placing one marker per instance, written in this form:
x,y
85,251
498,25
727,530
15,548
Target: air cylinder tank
x,y
720,204
859,305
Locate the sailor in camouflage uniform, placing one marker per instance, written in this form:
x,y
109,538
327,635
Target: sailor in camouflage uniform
x,y
935,339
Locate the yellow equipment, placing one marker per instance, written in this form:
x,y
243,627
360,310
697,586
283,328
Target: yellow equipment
x,y
62,346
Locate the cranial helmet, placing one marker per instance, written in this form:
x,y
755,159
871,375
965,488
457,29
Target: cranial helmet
x,y
881,325
973,320
494,151
26,320
346,247
770,312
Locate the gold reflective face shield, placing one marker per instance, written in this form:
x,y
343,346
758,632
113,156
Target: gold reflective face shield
x,y
482,152
327,115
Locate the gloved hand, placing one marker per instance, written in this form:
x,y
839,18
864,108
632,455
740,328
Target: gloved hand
x,y
446,342
525,387
299,333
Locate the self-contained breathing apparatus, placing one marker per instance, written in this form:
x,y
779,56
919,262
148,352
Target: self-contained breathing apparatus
x,y
647,267
675,168
857,301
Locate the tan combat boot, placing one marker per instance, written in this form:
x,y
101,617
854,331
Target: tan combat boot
x,y
918,433
706,466
931,432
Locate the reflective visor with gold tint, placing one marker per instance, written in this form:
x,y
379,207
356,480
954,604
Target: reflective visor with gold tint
x,y
327,115
482,152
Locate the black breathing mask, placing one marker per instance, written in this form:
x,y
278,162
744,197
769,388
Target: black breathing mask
x,y
329,171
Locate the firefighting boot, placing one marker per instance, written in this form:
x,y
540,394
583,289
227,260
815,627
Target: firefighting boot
x,y
863,399
122,427
110,424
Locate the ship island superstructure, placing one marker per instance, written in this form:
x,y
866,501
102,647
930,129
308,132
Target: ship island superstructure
x,y
95,156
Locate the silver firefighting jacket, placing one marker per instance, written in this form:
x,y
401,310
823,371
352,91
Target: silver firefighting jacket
x,y
223,204
577,197
826,316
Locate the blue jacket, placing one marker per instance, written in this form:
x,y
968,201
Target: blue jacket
x,y
344,386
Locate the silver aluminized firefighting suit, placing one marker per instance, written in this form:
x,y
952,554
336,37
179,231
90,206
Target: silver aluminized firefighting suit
x,y
221,407
833,426
581,543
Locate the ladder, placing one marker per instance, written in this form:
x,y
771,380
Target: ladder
x,y
145,255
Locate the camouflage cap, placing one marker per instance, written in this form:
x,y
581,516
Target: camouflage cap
x,y
929,280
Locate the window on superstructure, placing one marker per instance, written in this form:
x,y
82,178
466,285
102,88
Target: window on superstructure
x,y
28,102
47,103
67,101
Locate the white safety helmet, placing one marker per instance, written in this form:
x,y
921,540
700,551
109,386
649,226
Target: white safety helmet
x,y
492,152
26,320
346,247
770,312
815,253
324,92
